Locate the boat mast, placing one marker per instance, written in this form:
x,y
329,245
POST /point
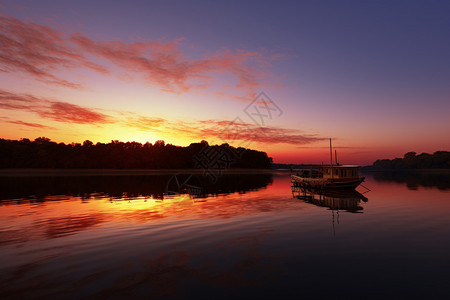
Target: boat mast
x,y
331,159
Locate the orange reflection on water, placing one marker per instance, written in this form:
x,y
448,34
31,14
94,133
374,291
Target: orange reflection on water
x,y
60,216
105,245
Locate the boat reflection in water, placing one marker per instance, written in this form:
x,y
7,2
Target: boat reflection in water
x,y
335,200
180,236
348,200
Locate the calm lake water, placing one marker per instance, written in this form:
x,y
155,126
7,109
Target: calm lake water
x,y
72,237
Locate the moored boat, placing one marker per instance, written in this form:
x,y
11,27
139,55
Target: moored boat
x,y
329,176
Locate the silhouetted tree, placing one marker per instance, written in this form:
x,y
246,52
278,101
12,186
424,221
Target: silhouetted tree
x,y
87,143
437,160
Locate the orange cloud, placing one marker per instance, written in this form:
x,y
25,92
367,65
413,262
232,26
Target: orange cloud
x,y
27,124
224,131
15,101
145,123
67,112
49,109
232,131
219,131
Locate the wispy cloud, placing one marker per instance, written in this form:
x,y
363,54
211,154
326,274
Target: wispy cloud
x,y
41,51
26,124
225,131
38,51
218,131
231,131
51,109
67,112
164,64
145,123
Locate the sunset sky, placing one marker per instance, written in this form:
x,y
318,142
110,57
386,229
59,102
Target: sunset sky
x,y
279,76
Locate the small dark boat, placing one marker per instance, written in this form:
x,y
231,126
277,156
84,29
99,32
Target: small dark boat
x,y
329,176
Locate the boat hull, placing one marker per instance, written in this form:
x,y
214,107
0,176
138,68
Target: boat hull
x,y
327,183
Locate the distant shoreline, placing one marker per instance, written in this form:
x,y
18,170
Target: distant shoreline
x,y
435,171
130,172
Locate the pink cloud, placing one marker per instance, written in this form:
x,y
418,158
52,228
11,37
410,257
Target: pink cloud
x,y
224,131
41,51
27,124
235,131
67,112
159,63
220,131
10,100
54,110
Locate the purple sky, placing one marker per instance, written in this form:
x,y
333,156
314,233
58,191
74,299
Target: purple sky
x,y
374,75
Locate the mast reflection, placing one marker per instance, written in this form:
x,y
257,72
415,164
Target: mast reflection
x,y
335,200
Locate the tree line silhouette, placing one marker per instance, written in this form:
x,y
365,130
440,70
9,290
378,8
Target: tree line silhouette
x,y
437,160
44,153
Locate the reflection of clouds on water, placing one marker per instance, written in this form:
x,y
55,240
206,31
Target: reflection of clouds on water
x,y
55,216
122,243
68,205
64,226
70,217
47,225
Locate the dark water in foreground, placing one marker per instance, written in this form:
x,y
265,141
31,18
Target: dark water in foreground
x,y
143,237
